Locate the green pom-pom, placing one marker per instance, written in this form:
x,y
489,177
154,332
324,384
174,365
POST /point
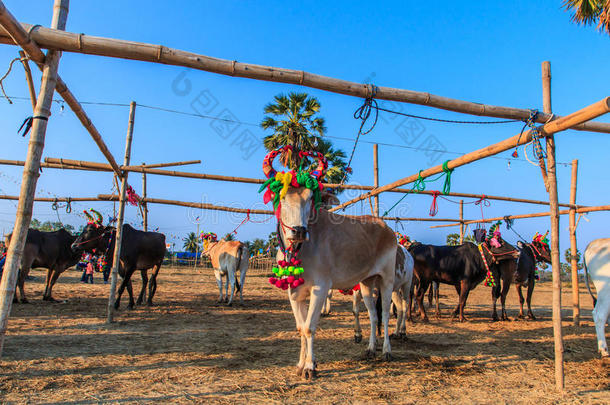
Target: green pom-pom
x,y
298,270
290,270
275,270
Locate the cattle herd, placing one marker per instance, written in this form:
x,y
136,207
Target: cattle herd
x,y
322,251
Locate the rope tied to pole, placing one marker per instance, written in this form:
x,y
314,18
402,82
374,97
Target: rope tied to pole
x,y
529,122
447,171
363,113
10,67
28,122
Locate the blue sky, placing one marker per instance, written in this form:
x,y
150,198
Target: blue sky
x,y
487,52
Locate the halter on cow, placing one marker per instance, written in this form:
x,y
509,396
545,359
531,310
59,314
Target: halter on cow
x,y
335,251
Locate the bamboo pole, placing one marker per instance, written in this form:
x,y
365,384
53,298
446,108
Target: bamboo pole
x,y
415,219
116,48
580,210
554,215
376,176
12,28
30,173
573,247
28,78
461,222
593,111
70,164
121,216
169,164
144,206
50,199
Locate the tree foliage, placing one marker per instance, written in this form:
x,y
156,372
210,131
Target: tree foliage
x,y
589,12
191,243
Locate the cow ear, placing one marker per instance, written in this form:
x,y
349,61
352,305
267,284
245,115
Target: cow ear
x,y
329,199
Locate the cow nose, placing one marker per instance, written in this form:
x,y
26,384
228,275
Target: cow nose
x,y
300,232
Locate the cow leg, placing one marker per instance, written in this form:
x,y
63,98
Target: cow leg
x,y
356,298
152,284
132,303
521,300
369,302
385,290
465,289
126,282
431,295
50,283
231,280
456,311
226,287
421,291
399,303
23,274
506,281
531,282
242,279
601,312
219,282
326,307
46,284
495,294
438,306
411,302
142,296
318,295
299,310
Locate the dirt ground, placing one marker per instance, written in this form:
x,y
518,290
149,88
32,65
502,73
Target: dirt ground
x,y
187,349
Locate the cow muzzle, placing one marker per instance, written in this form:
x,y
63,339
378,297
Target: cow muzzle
x,y
298,234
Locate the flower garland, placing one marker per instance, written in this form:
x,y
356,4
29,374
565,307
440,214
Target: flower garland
x,y
489,277
132,197
541,238
351,290
288,273
494,236
207,238
403,240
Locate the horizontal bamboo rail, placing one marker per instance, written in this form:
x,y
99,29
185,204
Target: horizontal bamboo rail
x,y
581,210
169,164
116,48
431,219
588,113
95,166
12,28
51,199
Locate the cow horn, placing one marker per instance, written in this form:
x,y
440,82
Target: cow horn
x,y
268,161
89,217
99,218
318,173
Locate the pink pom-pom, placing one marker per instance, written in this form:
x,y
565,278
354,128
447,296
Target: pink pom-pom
x,y
299,281
278,283
282,263
296,262
272,280
494,243
290,279
295,284
284,286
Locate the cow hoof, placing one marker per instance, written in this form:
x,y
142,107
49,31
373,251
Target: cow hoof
x,y
117,304
387,357
325,314
357,338
521,316
531,317
506,319
463,319
299,371
309,374
494,318
394,336
229,304
15,300
150,304
369,354
425,320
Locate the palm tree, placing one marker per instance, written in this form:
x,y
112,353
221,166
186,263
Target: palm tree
x,y
229,237
294,121
191,243
588,12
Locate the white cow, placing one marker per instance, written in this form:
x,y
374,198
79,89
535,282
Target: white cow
x,y
597,266
227,258
336,251
401,295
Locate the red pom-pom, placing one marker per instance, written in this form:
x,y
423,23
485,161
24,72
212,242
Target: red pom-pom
x,y
284,286
295,284
356,287
296,262
272,280
290,279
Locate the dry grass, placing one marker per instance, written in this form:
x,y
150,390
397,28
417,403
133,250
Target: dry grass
x,y
186,349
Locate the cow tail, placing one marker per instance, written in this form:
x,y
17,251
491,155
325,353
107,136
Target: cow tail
x,y
584,260
240,252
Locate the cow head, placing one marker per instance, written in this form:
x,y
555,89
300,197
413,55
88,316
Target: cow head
x,y
94,236
541,248
295,195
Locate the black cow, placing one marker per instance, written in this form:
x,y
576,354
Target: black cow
x,y
531,254
461,266
49,250
139,251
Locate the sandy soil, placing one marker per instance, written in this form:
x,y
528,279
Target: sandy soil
x,y
187,349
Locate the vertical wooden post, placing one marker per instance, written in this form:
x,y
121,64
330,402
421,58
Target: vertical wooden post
x,y
554,215
30,172
573,248
461,222
121,216
376,176
144,206
28,78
